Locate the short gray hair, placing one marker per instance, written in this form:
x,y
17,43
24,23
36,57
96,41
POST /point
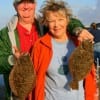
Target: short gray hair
x,y
20,1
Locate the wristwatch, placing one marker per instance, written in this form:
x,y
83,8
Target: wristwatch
x,y
77,31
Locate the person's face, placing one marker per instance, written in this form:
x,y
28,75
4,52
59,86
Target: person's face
x,y
26,11
57,24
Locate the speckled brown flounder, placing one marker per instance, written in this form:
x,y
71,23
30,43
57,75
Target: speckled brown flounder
x,y
80,62
22,77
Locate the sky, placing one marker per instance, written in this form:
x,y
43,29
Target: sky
x,y
86,10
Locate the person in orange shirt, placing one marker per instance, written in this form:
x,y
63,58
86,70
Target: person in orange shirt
x,y
20,34
50,58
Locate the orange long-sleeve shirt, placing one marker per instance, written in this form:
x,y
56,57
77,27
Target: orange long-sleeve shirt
x,y
42,54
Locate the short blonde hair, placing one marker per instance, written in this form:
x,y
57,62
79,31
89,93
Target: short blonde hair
x,y
53,6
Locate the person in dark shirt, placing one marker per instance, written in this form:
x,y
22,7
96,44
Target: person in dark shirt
x,y
96,33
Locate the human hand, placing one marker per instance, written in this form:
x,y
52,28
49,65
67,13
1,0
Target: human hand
x,y
17,52
85,35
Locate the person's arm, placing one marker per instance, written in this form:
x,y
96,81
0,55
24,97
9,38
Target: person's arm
x,y
77,29
5,52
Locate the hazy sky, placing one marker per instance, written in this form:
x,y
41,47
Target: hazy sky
x,y
86,10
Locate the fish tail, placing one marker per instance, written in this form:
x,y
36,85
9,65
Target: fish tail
x,y
74,85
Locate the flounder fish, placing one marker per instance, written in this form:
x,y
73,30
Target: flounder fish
x,y
22,77
80,62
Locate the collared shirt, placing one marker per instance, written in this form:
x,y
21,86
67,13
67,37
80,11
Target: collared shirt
x,y
26,38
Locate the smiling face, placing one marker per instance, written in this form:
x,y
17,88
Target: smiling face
x,y
26,12
57,23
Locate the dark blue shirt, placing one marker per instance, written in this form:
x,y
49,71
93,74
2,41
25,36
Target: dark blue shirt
x,y
96,34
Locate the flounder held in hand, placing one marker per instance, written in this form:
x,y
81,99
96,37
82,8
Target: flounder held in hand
x,y
80,62
22,77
